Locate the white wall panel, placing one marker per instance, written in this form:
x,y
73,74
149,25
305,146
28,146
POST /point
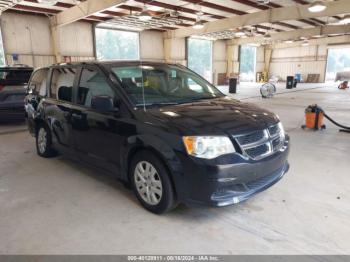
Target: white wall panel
x,y
76,39
219,59
26,34
299,60
151,46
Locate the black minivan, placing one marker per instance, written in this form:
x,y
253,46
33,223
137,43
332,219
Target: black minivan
x,y
160,128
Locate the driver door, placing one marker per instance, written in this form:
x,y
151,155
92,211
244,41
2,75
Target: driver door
x,y
96,133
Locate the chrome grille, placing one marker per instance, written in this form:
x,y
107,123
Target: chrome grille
x,y
262,143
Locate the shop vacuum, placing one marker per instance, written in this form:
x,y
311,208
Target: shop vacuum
x,y
314,117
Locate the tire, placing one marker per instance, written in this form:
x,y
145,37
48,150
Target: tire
x,y
155,191
44,142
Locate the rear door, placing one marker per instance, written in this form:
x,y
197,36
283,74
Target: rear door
x,y
58,106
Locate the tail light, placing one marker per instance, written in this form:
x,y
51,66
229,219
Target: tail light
x,y
1,87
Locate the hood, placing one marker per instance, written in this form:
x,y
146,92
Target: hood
x,y
211,117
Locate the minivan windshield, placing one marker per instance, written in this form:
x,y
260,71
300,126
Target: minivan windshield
x,y
160,84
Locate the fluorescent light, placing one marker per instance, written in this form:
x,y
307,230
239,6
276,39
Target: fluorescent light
x,y
239,34
47,2
289,41
317,6
345,20
255,44
145,16
198,25
305,43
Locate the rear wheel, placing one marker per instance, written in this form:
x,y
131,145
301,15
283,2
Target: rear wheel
x,y
151,183
44,142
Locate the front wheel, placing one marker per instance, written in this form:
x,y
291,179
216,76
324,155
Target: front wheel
x,y
44,142
151,183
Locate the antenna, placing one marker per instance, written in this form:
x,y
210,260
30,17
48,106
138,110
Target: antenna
x,y
143,88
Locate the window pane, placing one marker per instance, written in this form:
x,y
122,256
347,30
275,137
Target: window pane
x,y
200,57
247,63
338,61
92,84
38,82
114,44
62,84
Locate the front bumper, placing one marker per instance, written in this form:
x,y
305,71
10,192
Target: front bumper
x,y
231,179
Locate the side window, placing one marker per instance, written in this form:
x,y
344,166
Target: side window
x,y
38,82
62,83
92,83
194,86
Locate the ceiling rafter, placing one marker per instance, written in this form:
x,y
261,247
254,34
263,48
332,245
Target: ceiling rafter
x,y
294,12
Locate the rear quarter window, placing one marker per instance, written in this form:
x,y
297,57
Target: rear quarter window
x,y
38,82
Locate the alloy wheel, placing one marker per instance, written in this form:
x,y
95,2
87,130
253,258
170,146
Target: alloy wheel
x,y
42,140
148,183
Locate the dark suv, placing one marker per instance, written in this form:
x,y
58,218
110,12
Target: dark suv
x,y
160,128
13,84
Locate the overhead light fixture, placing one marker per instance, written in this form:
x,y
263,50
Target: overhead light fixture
x,y
47,2
317,6
267,36
345,20
145,15
289,41
198,25
305,43
240,33
255,44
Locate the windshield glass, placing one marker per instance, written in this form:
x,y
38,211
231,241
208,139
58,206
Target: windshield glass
x,y
163,84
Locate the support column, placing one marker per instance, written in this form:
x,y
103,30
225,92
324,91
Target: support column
x,y
54,38
232,58
268,55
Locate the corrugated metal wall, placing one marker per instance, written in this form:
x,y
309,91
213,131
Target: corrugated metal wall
x,y
299,60
28,37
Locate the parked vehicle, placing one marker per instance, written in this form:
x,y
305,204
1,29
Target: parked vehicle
x,y
161,128
13,84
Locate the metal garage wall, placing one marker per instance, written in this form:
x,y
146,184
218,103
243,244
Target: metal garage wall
x,y
303,60
260,59
219,59
76,40
151,46
28,37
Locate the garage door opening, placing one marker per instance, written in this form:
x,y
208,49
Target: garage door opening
x,y
114,44
247,63
338,64
199,57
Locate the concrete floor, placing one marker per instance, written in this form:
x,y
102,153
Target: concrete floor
x,y
55,206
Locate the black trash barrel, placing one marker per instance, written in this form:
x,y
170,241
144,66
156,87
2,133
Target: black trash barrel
x,y
232,86
290,82
295,83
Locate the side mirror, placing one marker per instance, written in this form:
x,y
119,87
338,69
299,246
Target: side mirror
x,y
102,103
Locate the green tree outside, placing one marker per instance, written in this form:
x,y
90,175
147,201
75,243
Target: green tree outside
x,y
113,44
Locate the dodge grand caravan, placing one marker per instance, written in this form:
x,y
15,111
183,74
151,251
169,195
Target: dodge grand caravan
x,y
160,128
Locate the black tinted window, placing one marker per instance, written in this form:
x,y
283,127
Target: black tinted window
x,y
15,76
62,83
93,83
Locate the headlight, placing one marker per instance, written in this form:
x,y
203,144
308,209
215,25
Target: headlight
x,y
282,133
208,146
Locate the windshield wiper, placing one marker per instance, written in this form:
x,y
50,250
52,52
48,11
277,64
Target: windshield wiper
x,y
158,104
